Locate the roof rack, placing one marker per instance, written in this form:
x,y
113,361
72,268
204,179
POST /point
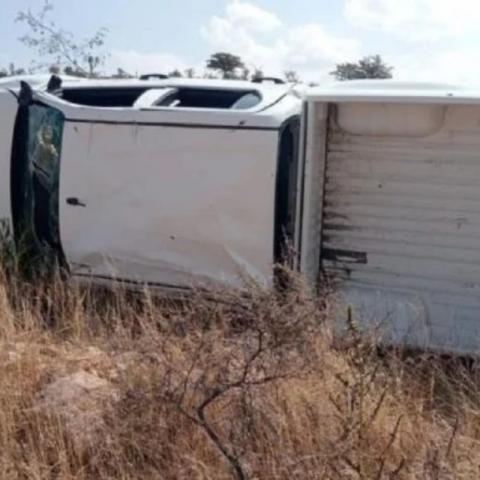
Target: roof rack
x,y
148,76
275,80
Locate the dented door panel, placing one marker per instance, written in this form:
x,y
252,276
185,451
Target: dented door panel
x,y
145,197
161,205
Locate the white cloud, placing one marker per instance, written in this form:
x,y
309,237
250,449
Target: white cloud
x,y
311,43
237,30
443,66
137,63
264,41
429,40
253,18
416,19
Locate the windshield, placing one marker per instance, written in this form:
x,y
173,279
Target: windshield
x,y
35,179
45,132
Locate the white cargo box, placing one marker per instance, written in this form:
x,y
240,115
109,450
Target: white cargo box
x,y
391,207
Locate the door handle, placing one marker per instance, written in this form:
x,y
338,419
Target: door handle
x,y
75,202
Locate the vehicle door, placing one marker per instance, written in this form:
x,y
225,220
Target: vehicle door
x,y
166,196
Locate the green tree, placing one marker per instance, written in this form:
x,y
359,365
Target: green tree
x,y
11,71
47,39
244,74
230,66
122,74
74,72
257,74
368,67
190,73
175,74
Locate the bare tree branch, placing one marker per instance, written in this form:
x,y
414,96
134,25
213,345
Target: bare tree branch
x,y
49,40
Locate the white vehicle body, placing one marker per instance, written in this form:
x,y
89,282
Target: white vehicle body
x,y
164,194
392,208
383,196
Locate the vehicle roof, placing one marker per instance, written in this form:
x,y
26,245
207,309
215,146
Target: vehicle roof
x,y
269,91
392,91
181,82
41,80
278,101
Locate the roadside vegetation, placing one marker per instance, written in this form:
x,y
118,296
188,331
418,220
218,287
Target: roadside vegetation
x,y
98,384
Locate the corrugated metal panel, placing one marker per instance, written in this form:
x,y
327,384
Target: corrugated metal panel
x,y
401,227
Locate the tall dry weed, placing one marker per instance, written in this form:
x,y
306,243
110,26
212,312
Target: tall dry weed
x,y
107,384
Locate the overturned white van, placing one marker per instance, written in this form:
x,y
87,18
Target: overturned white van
x,y
176,182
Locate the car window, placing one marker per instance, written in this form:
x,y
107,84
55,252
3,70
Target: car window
x,y
152,97
247,101
103,97
210,99
45,130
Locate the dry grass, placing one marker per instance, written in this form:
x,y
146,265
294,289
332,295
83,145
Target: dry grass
x,y
219,387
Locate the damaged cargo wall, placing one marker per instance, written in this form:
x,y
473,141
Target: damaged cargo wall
x,y
401,223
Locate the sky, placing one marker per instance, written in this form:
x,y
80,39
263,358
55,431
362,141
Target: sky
x,y
424,40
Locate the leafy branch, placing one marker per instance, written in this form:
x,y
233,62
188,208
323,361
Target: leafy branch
x,y
48,39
